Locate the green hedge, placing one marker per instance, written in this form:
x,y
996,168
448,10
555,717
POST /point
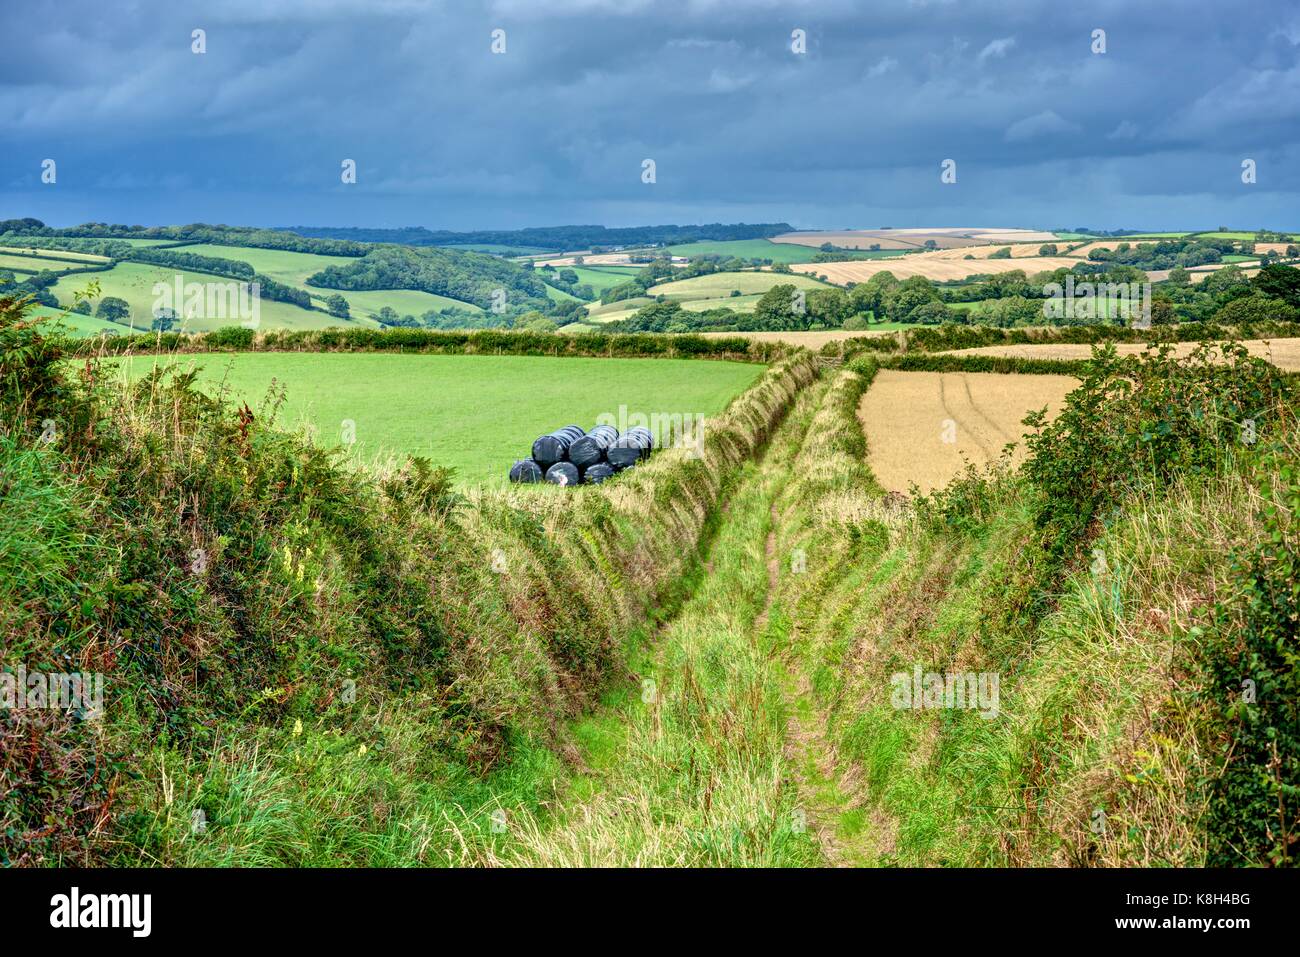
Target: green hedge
x,y
477,342
951,337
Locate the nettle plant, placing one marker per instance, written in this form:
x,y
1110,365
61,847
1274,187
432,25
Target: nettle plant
x,y
1140,421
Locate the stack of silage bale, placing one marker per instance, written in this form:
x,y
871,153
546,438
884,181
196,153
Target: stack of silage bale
x,y
570,456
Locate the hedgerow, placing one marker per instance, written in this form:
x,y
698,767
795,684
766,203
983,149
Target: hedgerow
x,y
228,577
440,342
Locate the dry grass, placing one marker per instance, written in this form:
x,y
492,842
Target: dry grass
x,y
924,427
1283,353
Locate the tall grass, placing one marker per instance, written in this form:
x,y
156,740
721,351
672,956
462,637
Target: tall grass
x,y
262,614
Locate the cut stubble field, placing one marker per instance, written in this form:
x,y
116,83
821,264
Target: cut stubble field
x,y
924,427
1283,353
476,414
936,266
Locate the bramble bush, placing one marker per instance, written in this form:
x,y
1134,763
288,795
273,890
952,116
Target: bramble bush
x,y
1140,421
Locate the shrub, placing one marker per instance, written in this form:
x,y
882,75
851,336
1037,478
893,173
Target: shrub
x,y
1139,420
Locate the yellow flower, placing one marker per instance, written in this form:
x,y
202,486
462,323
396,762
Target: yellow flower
x,y
297,727
362,750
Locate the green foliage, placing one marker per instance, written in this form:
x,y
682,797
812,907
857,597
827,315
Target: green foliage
x,y
1138,421
469,277
1279,282
1254,666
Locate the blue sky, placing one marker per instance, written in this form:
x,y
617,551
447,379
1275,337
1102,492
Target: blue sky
x,y
446,134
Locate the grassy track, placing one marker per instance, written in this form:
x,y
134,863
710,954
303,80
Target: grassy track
x,y
476,414
687,767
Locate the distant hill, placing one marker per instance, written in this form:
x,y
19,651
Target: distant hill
x,y
549,237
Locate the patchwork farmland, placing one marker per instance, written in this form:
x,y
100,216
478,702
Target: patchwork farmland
x,y
343,474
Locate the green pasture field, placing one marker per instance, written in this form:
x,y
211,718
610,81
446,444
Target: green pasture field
x,y
719,285
292,269
149,242
406,302
34,264
1236,235
134,283
477,414
74,323
282,265
31,264
55,254
559,295
601,278
734,303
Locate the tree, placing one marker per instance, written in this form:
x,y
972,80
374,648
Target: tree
x,y
778,309
870,295
829,306
910,294
337,306
1047,249
82,307
1280,282
387,316
656,317
1256,308
114,309
1162,312
932,313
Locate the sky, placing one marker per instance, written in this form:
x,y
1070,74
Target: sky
x,y
555,125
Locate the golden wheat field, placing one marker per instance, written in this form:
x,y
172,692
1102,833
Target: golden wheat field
x,y
923,427
1283,353
939,266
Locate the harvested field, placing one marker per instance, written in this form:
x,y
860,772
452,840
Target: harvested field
x,y
947,237
923,427
809,340
1018,251
938,266
602,259
1283,353
853,239
720,285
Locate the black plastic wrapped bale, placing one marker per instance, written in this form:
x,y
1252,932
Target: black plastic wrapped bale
x,y
598,473
526,470
554,447
563,473
632,446
590,449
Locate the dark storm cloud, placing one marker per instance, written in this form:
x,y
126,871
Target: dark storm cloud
x,y
446,134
